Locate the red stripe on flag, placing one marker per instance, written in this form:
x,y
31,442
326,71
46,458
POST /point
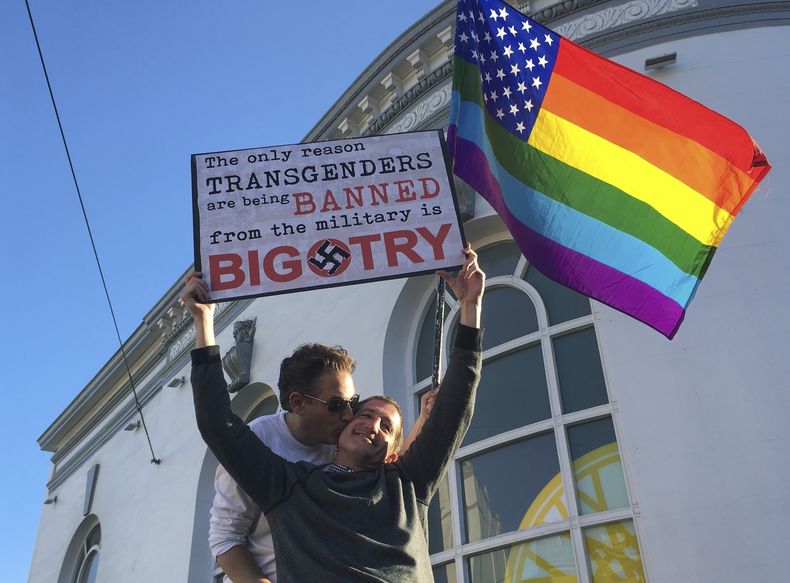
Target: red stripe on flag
x,y
661,105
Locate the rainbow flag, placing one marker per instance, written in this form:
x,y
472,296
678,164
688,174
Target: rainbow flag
x,y
611,183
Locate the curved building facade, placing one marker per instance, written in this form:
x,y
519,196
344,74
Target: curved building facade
x,y
599,451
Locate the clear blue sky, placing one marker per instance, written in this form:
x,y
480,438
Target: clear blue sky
x,y
140,86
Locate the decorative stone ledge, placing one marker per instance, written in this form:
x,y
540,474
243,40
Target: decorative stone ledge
x,y
622,14
393,85
562,9
348,128
696,19
417,113
172,320
370,109
420,62
408,99
446,37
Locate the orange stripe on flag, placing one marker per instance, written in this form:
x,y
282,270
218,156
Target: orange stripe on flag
x,y
688,161
660,104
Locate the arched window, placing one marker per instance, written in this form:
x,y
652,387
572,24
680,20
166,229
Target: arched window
x,y
89,560
537,492
266,406
81,563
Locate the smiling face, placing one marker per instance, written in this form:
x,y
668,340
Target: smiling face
x,y
372,437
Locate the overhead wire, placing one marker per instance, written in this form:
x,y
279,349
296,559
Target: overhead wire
x,y
154,459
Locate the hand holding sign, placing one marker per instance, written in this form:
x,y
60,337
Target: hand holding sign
x,y
468,286
195,296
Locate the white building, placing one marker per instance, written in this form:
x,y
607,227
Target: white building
x,y
599,451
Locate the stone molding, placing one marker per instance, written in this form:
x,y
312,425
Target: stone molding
x,y
619,15
438,99
375,124
733,15
413,58
562,9
590,28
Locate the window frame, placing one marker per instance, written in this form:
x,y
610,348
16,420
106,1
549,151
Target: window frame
x,y
85,564
85,552
558,424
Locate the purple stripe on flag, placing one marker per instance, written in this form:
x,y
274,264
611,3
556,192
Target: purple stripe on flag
x,y
576,270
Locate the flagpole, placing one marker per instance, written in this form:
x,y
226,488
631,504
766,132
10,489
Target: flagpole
x,y
438,333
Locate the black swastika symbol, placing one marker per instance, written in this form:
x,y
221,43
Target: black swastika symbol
x,y
329,258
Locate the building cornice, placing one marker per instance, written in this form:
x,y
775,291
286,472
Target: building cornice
x,y
375,100
424,87
428,31
690,22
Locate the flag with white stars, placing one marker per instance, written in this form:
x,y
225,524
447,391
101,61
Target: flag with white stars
x,y
515,57
610,182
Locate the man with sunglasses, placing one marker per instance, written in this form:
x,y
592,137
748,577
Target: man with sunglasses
x,y
316,393
317,398
363,517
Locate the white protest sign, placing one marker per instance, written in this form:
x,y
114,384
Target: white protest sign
x,y
287,218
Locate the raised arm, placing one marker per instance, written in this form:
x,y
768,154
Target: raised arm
x,y
254,466
441,435
233,512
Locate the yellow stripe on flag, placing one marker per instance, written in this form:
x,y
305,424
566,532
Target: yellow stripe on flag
x,y
610,163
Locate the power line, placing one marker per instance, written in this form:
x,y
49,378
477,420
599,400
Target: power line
x,y
154,459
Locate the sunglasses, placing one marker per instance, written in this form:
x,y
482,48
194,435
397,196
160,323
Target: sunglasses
x,y
336,404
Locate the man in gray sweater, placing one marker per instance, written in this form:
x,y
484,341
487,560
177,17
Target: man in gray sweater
x,y
363,517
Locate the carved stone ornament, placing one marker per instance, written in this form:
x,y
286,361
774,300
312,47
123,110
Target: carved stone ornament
x,y
238,360
625,13
408,100
429,105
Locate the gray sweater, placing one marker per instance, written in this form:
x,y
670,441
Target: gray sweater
x,y
343,527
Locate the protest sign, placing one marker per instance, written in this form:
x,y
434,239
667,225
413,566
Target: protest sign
x,y
287,218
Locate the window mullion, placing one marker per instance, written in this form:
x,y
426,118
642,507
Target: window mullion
x,y
580,553
516,537
456,514
560,438
565,461
521,267
566,468
552,379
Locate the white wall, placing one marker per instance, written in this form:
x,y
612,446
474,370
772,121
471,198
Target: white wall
x,y
704,426
145,511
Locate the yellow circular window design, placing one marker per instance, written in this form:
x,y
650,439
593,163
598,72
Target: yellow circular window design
x,y
612,549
